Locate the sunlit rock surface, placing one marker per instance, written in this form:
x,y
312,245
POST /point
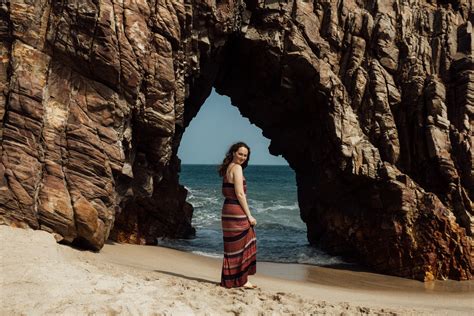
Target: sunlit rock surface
x,y
370,102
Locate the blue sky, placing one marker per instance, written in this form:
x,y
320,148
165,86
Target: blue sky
x,y
217,126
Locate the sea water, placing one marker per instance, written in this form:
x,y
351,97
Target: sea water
x,y
272,198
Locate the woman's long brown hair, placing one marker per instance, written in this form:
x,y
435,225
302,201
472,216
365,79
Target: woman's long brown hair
x,y
229,156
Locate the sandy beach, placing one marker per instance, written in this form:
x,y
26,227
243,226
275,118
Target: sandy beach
x,y
39,276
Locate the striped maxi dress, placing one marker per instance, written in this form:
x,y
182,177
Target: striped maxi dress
x,y
240,243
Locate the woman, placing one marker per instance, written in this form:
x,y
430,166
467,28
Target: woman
x,y
240,244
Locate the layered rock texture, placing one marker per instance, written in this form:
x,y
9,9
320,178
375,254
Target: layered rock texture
x,y
370,102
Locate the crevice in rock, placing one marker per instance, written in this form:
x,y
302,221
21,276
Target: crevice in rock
x,y
117,36
41,144
94,38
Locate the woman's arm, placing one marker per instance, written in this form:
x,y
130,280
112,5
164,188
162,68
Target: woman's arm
x,y
239,192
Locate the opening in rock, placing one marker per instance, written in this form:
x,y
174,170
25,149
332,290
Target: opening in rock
x,y
272,192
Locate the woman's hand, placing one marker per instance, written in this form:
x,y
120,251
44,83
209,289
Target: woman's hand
x,y
252,220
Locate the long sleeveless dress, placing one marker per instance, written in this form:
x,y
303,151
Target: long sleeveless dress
x,y
240,243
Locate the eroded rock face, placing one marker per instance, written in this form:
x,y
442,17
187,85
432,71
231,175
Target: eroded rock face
x,y
370,102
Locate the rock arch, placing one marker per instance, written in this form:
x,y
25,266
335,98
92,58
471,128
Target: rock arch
x,y
369,102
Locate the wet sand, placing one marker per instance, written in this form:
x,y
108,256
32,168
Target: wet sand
x,y
40,277
325,283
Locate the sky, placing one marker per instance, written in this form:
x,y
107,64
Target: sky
x,y
215,128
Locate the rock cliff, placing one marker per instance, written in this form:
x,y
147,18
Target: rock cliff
x,y
370,102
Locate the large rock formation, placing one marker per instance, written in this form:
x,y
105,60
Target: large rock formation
x,y
370,102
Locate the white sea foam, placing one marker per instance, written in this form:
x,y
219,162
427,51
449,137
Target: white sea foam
x,y
212,199
205,219
207,254
318,259
302,258
277,207
271,206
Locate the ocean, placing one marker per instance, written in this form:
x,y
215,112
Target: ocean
x,y
272,198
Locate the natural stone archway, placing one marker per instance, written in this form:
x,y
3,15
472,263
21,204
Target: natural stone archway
x,y
369,101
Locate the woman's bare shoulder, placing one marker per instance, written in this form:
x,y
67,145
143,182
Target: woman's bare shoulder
x,y
236,168
233,170
236,171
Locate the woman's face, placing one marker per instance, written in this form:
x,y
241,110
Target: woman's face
x,y
240,156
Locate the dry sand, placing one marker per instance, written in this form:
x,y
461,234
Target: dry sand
x,y
40,277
